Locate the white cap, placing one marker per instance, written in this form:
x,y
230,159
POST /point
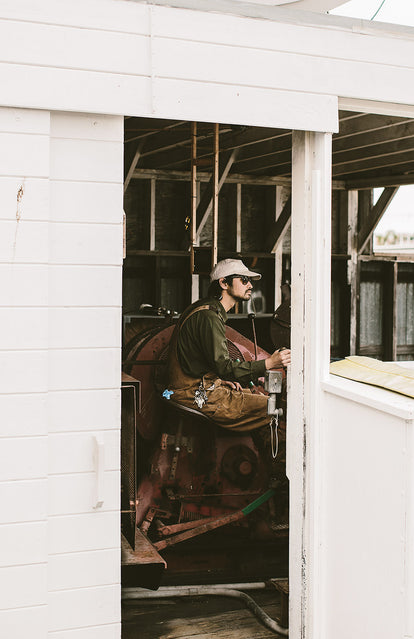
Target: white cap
x,y
224,268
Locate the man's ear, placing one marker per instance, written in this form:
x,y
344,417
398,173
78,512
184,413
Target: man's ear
x,y
223,283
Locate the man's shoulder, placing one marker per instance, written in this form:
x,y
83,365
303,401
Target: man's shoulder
x,y
204,310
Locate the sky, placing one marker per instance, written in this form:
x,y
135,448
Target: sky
x,y
400,215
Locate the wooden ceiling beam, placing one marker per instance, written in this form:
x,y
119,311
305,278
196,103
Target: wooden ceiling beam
x,y
366,140
379,181
388,162
367,153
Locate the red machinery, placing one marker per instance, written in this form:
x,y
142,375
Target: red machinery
x,y
183,476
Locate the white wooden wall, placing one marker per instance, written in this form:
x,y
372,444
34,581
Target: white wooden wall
x,y
366,531
112,56
60,293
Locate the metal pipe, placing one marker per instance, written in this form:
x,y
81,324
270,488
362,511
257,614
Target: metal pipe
x,y
222,590
215,195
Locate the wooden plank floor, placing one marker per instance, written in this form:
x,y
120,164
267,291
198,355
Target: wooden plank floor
x,y
205,617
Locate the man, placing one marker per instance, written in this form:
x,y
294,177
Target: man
x,y
201,373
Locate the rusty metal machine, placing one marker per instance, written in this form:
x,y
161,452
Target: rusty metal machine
x,y
195,496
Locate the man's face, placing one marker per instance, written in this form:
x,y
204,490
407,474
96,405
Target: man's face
x,y
240,288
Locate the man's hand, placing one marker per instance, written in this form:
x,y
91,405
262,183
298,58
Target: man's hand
x,y
279,358
232,385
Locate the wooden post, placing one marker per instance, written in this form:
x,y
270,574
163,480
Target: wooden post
x,y
238,219
193,213
152,215
353,271
311,269
215,196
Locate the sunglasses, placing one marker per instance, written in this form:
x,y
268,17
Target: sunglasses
x,y
244,279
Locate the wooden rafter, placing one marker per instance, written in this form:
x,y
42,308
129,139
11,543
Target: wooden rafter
x,y
206,203
134,163
276,231
374,217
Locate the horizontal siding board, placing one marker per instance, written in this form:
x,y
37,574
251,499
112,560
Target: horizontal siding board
x,y
23,241
88,126
17,623
23,501
95,14
23,415
274,69
78,533
86,244
108,631
86,202
76,494
84,410
84,369
73,48
84,607
24,155
22,544
345,44
82,570
238,105
24,120
84,327
23,328
23,458
26,586
74,452
33,194
74,90
85,286
23,284
24,371
86,160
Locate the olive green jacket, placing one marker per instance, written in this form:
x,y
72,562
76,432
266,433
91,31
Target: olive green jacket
x,y
202,346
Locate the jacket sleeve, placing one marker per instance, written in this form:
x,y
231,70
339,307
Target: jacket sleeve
x,y
212,330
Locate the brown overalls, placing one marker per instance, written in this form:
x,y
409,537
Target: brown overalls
x,y
237,410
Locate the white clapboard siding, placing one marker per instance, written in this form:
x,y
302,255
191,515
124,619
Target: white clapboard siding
x,y
86,126
86,160
344,42
22,458
84,607
22,241
84,369
289,71
84,410
82,570
23,154
85,202
23,284
107,15
23,414
16,623
84,327
24,120
26,198
22,501
23,544
237,104
85,286
17,334
26,586
74,452
70,47
71,90
74,494
24,371
78,533
109,631
86,243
